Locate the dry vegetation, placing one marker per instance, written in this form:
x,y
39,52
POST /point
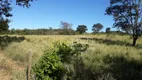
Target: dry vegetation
x,y
99,58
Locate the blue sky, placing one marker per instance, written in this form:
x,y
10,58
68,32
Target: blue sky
x,y
49,13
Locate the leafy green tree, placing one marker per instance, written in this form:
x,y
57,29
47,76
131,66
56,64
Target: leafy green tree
x,y
81,29
107,30
127,15
24,3
5,9
97,27
126,29
4,25
5,6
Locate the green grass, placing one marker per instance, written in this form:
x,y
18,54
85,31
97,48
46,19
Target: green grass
x,y
100,60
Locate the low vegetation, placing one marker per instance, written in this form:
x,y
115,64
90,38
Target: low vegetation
x,y
105,58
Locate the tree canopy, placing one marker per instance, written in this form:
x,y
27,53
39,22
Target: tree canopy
x,y
66,28
108,30
97,27
5,9
65,25
127,16
4,25
81,29
5,6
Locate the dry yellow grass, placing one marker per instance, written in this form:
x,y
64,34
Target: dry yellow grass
x,y
38,43
9,68
18,51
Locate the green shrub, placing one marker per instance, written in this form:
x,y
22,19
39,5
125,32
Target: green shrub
x,y
68,53
49,67
52,65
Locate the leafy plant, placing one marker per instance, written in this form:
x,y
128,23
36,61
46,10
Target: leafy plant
x,y
51,65
97,27
81,29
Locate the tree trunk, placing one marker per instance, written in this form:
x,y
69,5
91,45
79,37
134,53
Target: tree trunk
x,y
134,41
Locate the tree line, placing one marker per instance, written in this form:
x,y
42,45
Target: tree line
x,y
65,29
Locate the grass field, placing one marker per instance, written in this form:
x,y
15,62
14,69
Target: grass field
x,y
108,56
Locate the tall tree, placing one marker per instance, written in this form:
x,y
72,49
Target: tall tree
x,y
65,25
24,3
67,28
97,27
4,25
127,15
81,29
5,9
108,30
5,6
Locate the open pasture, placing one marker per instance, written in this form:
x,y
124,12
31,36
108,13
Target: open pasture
x,y
108,56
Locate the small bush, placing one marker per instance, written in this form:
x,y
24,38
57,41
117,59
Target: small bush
x,y
52,65
49,67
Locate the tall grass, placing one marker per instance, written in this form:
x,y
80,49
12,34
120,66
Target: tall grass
x,y
99,62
